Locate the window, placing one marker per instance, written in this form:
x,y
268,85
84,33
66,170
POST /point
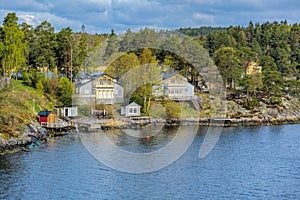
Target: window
x,y
133,110
172,80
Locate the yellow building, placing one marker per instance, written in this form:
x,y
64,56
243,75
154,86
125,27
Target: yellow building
x,y
253,68
104,87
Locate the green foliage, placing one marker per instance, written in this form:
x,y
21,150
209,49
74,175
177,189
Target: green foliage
x,y
248,84
19,105
64,51
123,64
273,82
12,45
227,60
250,103
204,30
274,100
39,87
43,46
173,110
65,92
26,78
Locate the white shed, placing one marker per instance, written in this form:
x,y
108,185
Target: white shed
x,y
69,111
131,110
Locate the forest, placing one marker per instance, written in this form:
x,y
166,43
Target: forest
x,y
275,46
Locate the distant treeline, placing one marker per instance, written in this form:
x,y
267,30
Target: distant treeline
x,y
273,45
203,30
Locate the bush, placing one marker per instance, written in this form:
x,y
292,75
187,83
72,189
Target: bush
x,y
250,104
173,110
276,100
107,108
26,78
39,87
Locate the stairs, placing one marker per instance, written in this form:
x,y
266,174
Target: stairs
x,y
196,103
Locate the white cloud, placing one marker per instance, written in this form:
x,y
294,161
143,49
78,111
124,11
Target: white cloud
x,y
29,19
204,17
104,15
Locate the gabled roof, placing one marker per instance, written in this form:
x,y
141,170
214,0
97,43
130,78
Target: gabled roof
x,y
131,104
166,76
91,78
44,113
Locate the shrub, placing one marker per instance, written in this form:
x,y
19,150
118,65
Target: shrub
x,y
26,78
250,104
173,110
276,100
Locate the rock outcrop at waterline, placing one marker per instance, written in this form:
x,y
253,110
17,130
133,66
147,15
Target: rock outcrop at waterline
x,y
32,133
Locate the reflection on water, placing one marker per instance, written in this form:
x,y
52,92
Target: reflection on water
x,y
246,163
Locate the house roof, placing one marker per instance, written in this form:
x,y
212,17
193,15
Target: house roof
x,y
44,113
93,77
131,104
165,76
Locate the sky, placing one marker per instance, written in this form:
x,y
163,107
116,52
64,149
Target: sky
x,y
100,16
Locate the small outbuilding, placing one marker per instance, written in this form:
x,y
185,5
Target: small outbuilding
x,y
46,117
131,110
67,111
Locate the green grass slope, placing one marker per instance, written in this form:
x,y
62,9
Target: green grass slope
x,y
19,104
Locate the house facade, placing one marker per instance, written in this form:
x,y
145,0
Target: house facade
x,y
98,89
131,110
253,68
175,87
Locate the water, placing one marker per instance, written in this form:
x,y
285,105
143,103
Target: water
x,y
246,163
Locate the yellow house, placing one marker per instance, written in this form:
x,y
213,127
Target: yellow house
x,y
253,68
104,89
98,89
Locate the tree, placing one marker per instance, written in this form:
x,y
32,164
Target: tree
x,y
111,47
248,85
13,46
43,55
65,91
28,33
83,48
272,81
150,77
123,64
229,64
64,51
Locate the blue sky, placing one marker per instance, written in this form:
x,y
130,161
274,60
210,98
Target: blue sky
x,y
100,16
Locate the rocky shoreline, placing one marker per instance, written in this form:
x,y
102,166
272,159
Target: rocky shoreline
x,y
33,134
225,122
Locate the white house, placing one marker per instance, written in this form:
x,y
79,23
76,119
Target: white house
x,y
175,87
131,110
98,89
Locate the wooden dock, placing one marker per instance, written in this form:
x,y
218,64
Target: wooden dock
x,y
58,126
